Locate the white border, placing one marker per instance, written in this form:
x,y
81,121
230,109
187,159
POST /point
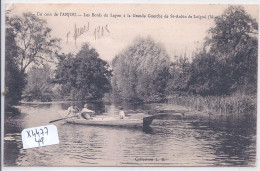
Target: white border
x,y
120,168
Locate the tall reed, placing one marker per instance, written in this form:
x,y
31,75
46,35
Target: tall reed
x,y
234,105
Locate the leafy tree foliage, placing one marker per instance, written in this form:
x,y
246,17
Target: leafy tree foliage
x,y
14,79
28,41
84,76
39,84
179,75
33,38
140,72
208,76
233,42
228,62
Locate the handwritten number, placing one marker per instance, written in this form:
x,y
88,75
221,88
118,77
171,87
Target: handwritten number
x,y
40,140
46,130
42,132
37,141
99,31
33,134
37,133
107,29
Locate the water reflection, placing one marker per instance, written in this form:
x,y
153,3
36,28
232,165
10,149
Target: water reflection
x,y
231,140
195,142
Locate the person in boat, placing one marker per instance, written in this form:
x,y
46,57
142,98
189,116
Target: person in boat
x,y
86,113
73,110
121,113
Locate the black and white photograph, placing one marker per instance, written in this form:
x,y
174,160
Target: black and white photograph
x,y
94,84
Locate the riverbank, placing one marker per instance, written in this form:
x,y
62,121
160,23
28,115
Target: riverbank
x,y
234,106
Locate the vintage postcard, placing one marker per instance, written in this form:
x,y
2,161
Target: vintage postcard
x,y
130,84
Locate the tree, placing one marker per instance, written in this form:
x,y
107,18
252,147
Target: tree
x,y
33,38
228,61
84,76
179,75
28,41
39,84
208,76
14,79
233,42
140,72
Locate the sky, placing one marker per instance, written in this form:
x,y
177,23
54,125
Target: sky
x,y
177,35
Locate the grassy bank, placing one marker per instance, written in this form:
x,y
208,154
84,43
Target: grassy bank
x,y
238,104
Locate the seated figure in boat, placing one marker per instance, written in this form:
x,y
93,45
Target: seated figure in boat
x,y
121,113
86,113
73,110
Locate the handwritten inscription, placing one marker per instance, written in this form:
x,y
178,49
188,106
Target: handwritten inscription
x,y
78,31
40,136
98,31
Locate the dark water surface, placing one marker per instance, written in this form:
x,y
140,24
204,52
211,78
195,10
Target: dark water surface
x,y
166,143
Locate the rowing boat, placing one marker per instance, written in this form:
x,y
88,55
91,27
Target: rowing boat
x,y
136,120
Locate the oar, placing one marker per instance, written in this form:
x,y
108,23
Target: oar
x,y
62,119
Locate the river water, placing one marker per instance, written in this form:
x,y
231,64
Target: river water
x,y
186,142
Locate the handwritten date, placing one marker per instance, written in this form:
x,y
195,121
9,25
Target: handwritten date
x,y
98,31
